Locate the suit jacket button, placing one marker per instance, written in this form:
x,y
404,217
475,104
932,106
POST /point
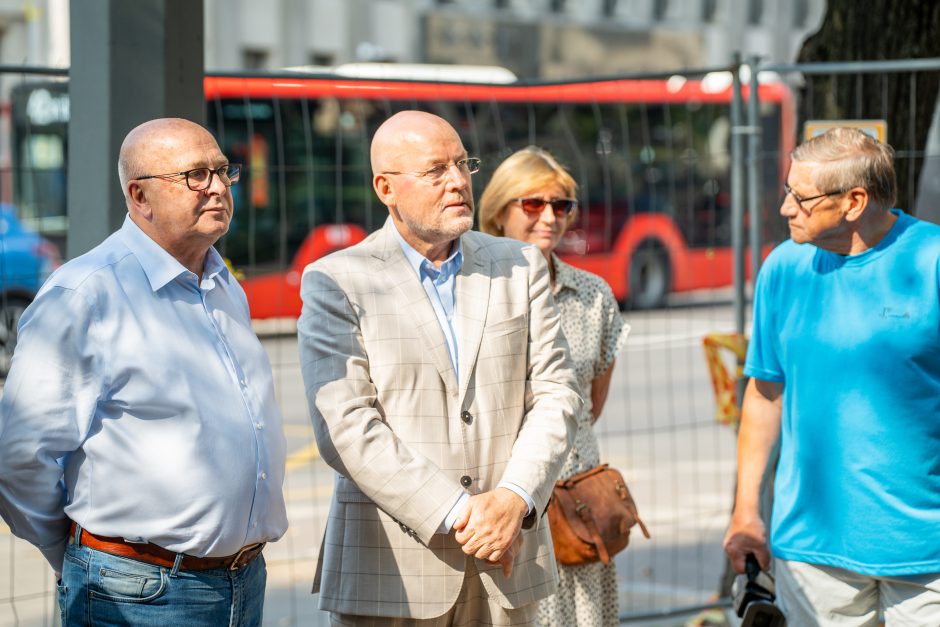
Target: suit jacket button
x,y
465,481
467,417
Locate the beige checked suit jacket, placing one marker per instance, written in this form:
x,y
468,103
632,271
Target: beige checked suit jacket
x,y
402,432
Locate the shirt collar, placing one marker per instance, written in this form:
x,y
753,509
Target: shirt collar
x,y
160,266
423,266
564,275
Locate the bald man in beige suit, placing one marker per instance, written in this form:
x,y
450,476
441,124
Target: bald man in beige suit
x,y
442,394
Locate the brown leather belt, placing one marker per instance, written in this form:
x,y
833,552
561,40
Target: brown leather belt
x,y
158,556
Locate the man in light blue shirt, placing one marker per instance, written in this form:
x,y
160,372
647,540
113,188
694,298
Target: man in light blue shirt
x,y
141,447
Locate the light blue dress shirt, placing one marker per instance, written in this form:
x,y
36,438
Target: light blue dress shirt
x,y
439,284
140,404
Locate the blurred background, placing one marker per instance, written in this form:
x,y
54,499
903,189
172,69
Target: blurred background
x,y
676,117
547,39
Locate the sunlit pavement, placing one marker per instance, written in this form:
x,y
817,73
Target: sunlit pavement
x,y
657,428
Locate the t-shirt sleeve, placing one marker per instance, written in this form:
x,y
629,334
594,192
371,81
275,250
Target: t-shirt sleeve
x,y
763,351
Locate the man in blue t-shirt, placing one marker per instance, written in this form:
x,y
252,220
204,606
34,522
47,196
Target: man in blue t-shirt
x,y
845,366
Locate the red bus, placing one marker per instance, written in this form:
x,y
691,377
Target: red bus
x,y
651,158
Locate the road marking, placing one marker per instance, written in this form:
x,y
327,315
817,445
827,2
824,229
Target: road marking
x,y
298,428
305,455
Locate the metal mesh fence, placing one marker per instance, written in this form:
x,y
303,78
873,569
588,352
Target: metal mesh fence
x,y
653,158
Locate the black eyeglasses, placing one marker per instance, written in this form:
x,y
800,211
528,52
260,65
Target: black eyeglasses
x,y
199,179
788,191
561,207
470,165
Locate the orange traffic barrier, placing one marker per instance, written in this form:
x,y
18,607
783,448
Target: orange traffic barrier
x,y
728,409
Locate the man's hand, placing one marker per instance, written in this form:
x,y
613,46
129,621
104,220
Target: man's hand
x,y
746,535
490,523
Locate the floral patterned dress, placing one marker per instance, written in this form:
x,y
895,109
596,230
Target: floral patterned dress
x,y
595,330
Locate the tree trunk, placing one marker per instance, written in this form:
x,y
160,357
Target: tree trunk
x,y
867,30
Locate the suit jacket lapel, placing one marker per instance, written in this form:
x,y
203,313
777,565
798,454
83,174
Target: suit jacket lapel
x,y
473,297
393,266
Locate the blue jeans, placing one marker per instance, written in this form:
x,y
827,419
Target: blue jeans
x,y
100,589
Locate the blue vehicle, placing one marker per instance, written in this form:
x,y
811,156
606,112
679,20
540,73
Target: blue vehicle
x,y
26,259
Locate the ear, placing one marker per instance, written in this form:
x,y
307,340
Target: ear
x,y
856,201
499,220
137,200
383,189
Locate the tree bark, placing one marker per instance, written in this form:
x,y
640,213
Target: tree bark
x,y
867,30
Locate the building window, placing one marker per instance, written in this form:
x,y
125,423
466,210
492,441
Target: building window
x,y
660,9
755,11
255,59
609,8
557,6
500,4
709,9
321,58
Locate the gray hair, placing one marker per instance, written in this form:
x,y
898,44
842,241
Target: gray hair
x,y
850,158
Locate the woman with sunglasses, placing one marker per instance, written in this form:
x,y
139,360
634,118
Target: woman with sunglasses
x,y
531,197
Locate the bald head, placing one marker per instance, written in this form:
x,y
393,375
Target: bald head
x,y
430,212
403,135
149,145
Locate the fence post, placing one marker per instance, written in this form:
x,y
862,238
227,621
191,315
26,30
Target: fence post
x,y
131,62
755,213
737,195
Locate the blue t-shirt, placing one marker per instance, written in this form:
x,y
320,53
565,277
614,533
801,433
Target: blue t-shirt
x,y
856,342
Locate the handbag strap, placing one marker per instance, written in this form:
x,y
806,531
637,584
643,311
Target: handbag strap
x,y
584,513
631,505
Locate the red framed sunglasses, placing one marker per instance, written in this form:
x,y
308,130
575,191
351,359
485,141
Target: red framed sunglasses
x,y
561,207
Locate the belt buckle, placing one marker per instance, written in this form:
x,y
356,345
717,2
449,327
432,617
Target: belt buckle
x,y
236,563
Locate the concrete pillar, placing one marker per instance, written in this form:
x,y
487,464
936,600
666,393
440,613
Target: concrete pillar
x,y
131,62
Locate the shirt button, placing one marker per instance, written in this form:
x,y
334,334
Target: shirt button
x,y
254,524
241,382
258,426
264,476
467,417
465,481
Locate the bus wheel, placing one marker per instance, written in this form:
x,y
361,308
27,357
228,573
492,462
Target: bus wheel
x,y
649,276
11,308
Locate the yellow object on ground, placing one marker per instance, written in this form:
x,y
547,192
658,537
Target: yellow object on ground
x,y
728,410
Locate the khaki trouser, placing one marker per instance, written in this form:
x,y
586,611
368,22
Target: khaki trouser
x,y
812,594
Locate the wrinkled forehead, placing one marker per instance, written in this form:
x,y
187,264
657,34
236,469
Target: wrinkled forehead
x,y
804,173
181,150
422,148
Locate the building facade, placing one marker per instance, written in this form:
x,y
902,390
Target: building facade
x,y
536,39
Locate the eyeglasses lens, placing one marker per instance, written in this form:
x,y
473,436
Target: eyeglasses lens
x,y
561,207
470,165
198,179
201,178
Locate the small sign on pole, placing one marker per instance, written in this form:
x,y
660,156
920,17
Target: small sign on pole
x,y
877,129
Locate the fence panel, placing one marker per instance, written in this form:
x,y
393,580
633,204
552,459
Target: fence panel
x,y
651,155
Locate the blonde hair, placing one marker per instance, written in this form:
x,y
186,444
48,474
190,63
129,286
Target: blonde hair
x,y
523,172
850,158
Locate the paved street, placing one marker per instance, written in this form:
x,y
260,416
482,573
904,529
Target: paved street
x,y
658,428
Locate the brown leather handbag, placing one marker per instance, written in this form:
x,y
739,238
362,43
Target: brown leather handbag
x,y
590,516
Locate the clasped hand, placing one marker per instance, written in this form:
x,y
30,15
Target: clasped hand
x,y
489,527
